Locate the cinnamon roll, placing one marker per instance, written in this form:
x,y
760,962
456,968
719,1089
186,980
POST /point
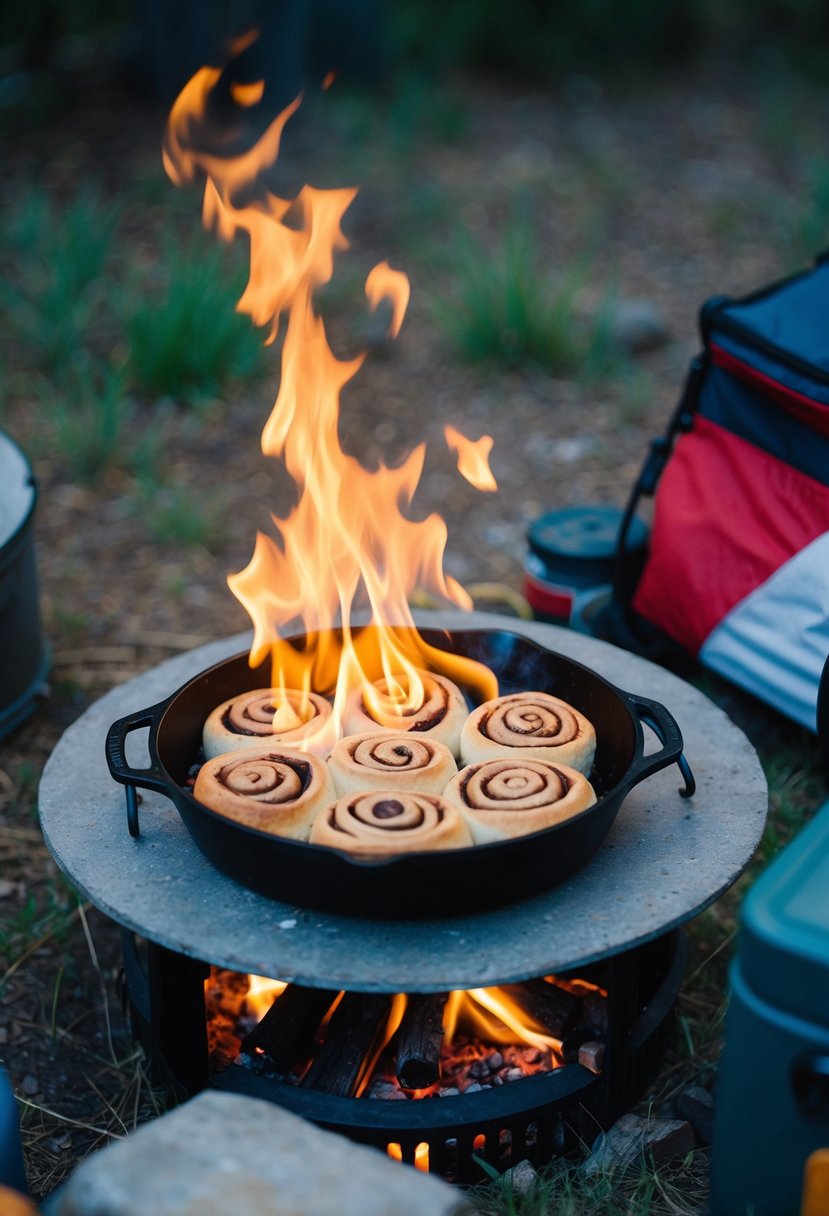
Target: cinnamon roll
x,y
274,789
511,797
265,715
440,715
530,724
383,822
388,761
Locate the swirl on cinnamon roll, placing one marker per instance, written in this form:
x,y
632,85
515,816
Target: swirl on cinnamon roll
x,y
512,797
440,715
265,715
385,761
530,724
384,822
276,790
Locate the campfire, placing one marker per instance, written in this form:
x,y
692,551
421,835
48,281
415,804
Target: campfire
x,y
403,1047
349,545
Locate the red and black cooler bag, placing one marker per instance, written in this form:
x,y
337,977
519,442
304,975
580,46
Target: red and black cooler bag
x,y
738,567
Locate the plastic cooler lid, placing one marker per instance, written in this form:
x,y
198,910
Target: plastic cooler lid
x,y
784,952
17,490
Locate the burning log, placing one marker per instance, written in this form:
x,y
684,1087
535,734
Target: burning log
x,y
339,1065
287,1030
553,1008
419,1040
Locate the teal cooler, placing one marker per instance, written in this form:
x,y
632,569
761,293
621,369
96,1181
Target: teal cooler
x,y
772,1098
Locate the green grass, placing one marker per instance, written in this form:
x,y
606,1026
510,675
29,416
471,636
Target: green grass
x,y
52,295
509,306
186,339
89,418
563,1190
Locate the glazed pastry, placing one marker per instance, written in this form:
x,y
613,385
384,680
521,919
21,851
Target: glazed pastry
x,y
440,716
511,797
248,720
532,725
385,761
382,822
277,790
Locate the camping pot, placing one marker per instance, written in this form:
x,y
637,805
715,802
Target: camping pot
x,y
25,656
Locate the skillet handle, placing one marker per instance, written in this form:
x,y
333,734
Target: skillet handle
x,y
152,778
663,725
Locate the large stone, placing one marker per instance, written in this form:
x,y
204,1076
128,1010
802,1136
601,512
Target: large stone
x,y
223,1153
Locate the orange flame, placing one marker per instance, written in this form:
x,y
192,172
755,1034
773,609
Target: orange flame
x,y
473,458
349,544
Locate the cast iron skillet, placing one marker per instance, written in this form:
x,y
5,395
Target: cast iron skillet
x,y
414,884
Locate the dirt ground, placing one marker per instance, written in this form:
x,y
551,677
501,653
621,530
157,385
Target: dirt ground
x,y
689,189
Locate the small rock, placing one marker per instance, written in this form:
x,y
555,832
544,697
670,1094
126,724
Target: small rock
x,y
523,1178
513,1074
638,325
479,1069
697,1106
451,1091
631,1137
494,1061
474,1088
532,1055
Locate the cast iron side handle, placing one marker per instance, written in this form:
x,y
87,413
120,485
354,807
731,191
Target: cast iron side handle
x,y
152,778
664,726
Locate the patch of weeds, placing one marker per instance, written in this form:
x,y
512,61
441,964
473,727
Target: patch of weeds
x,y
638,390
175,516
89,417
186,339
44,915
562,1190
806,228
424,108
795,791
52,289
504,307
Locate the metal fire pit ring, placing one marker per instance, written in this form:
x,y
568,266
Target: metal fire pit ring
x,y
410,884
664,859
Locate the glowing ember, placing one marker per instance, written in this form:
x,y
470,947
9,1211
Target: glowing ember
x,y
348,545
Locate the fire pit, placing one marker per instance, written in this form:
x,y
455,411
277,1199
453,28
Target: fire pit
x,y
664,859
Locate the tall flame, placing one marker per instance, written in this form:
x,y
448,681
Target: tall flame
x,y
348,544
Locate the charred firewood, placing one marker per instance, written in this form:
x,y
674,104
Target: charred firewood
x,y
287,1030
419,1040
356,1021
551,1007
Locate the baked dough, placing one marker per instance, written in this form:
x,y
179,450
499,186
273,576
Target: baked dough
x,y
277,790
440,716
532,725
388,761
247,720
511,797
384,823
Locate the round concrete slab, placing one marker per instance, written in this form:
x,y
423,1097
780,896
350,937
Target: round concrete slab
x,y
665,859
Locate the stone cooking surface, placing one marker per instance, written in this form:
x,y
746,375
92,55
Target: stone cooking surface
x,y
665,858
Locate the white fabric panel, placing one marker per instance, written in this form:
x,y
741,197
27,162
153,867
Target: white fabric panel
x,y
775,642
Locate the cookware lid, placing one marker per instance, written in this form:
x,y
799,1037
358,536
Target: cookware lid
x,y
17,490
